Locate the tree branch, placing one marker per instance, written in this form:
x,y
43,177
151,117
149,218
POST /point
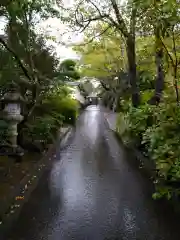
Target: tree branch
x,y
122,25
164,46
24,69
92,39
133,21
104,86
89,20
174,47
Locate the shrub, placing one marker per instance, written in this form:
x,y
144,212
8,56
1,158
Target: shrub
x,y
43,129
163,141
69,109
122,128
125,105
137,120
146,95
156,129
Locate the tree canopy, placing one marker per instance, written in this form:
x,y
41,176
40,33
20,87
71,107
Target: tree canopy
x,y
33,66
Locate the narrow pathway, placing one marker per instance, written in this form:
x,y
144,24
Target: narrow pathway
x,y
93,193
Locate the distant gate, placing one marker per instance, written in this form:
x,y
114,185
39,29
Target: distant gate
x,y
92,100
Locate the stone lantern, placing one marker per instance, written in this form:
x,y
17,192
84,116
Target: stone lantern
x,y
12,114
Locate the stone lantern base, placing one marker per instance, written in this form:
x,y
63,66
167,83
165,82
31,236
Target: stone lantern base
x,y
7,150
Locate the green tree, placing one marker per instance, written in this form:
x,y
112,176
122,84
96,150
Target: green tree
x,y
160,17
68,67
27,60
109,13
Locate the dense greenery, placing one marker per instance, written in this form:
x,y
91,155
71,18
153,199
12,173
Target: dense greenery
x,y
37,73
132,49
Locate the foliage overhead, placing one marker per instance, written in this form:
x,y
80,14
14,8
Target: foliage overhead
x,y
35,69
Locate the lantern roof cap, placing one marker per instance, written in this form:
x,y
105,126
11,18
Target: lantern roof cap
x,y
13,94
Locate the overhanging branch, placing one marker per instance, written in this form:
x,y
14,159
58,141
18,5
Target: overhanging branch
x,y
120,20
92,39
104,85
25,71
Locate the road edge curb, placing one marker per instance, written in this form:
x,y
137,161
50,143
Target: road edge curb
x,y
142,161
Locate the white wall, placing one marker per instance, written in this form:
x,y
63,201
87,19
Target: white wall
x,y
78,96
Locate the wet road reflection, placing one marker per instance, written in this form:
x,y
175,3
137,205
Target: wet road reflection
x,y
93,193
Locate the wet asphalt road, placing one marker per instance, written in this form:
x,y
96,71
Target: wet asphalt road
x,y
93,192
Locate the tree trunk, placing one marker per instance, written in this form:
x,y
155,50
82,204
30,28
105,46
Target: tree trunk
x,y
159,84
13,42
132,71
176,83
